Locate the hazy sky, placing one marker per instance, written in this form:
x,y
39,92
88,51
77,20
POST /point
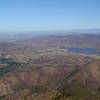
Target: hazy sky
x,y
30,15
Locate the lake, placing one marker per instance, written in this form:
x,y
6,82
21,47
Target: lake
x,y
85,51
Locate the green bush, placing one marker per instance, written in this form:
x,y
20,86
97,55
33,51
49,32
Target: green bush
x,y
12,65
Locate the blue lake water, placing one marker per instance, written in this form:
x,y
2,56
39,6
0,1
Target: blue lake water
x,y
85,51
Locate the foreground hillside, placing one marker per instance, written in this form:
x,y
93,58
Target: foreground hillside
x,y
44,70
69,92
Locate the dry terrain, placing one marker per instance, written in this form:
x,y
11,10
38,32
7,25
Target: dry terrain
x,y
40,68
